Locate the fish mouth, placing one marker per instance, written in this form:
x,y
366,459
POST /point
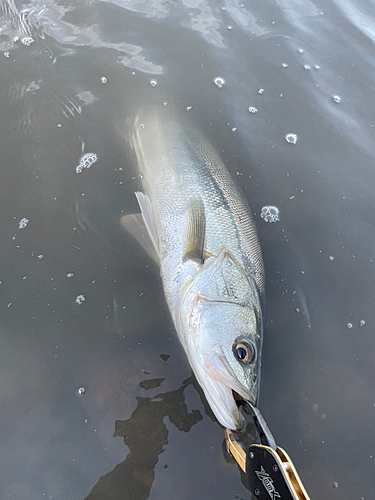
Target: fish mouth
x,y
236,396
223,390
222,402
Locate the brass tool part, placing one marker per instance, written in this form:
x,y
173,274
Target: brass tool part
x,y
235,449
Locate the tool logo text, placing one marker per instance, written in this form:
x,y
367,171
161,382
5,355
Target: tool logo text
x,y
267,483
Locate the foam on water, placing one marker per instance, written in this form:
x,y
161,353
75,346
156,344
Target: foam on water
x,y
23,223
270,213
86,161
219,81
291,138
80,299
27,40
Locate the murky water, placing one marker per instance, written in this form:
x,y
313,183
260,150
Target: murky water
x,y
96,396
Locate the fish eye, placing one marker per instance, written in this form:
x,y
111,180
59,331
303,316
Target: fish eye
x,y
244,351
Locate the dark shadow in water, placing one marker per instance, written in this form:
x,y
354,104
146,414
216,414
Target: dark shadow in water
x,y
247,436
146,434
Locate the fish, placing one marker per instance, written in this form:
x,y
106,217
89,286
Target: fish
x,y
195,222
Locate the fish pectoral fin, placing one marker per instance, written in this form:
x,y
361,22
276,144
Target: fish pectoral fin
x,y
195,231
135,225
147,212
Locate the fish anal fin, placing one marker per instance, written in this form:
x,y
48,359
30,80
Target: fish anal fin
x,y
135,226
195,231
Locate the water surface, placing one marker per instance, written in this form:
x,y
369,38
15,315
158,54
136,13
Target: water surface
x,y
71,73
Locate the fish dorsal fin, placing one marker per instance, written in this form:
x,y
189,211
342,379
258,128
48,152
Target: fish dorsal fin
x,y
135,226
143,227
195,231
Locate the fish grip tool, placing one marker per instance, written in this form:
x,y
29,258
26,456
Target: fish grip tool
x,y
269,470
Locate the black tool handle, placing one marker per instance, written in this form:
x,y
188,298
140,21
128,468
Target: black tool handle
x,y
271,474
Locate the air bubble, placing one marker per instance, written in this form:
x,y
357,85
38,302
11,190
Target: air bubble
x,y
81,391
86,161
349,325
331,257
291,138
252,109
219,81
153,83
229,27
270,213
336,98
80,299
23,223
104,79
27,40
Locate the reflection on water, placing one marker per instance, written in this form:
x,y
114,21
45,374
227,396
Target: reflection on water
x,y
146,435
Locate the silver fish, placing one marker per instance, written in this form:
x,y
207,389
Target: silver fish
x,y
197,225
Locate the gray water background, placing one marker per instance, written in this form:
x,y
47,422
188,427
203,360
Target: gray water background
x,y
141,429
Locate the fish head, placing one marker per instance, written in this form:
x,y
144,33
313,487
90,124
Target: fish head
x,y
223,344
